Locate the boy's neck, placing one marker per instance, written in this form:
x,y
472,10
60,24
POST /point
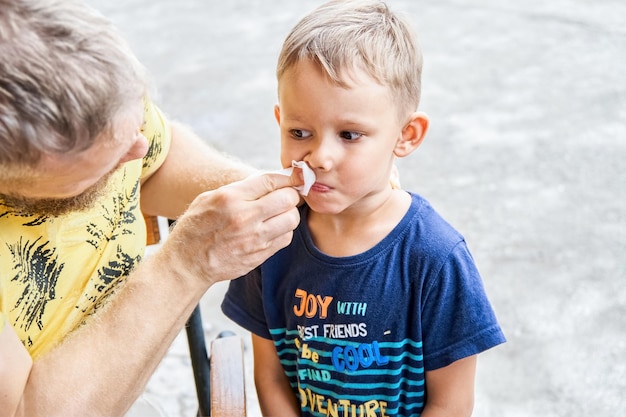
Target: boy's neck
x,y
353,231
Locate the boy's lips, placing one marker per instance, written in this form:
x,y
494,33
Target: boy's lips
x,y
320,188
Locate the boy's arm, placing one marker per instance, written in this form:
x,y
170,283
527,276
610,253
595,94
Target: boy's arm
x,y
451,389
275,395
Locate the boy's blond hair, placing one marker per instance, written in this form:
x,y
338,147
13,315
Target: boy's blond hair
x,y
65,75
343,35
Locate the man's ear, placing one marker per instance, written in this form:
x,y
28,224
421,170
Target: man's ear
x,y
413,134
277,113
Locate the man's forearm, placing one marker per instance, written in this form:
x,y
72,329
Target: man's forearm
x,y
103,367
15,366
191,167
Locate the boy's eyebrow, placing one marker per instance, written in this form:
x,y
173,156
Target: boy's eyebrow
x,y
292,121
294,117
357,121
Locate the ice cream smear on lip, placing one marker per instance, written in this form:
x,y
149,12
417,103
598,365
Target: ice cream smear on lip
x,y
307,174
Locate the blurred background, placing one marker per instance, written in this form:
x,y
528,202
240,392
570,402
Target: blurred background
x,y
525,156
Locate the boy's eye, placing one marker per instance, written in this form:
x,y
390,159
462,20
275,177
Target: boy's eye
x,y
349,135
299,133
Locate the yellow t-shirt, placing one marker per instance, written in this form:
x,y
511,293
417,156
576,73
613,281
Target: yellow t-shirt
x,y
57,271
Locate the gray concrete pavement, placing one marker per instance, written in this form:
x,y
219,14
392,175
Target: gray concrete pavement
x,y
525,156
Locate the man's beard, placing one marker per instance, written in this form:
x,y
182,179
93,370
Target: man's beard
x,y
54,207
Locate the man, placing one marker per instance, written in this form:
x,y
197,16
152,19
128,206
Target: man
x,y
83,152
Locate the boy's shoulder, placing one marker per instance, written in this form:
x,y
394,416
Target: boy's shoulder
x,y
430,217
428,228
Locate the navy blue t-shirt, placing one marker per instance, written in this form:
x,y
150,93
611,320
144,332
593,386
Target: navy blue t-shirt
x,y
355,334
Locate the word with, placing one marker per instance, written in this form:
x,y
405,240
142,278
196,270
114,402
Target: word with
x,y
351,308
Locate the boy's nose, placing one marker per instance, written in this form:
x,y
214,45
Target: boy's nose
x,y
321,155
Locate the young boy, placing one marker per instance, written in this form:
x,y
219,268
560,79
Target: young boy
x,y
376,308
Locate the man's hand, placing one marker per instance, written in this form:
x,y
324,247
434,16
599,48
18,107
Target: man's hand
x,y
227,232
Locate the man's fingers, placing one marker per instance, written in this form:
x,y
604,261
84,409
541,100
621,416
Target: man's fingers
x,y
277,202
281,224
229,231
257,186
270,194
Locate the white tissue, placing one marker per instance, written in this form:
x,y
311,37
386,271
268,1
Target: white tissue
x,y
307,173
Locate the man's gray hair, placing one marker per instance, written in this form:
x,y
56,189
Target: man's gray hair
x,y
65,74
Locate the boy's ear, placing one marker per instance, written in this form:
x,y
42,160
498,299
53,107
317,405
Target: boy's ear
x,y
277,113
413,133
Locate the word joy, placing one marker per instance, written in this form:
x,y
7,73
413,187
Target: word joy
x,y
310,304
